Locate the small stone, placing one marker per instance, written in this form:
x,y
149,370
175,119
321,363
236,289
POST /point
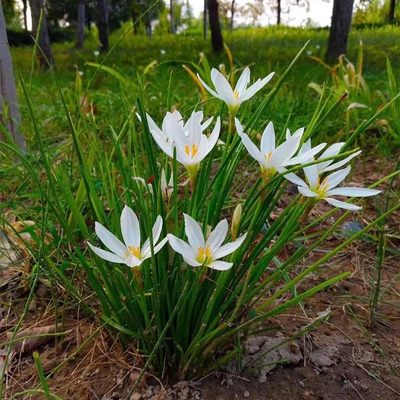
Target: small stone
x,y
246,394
135,396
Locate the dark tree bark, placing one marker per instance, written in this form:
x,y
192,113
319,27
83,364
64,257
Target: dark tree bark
x,y
215,25
392,8
135,17
278,12
10,116
171,16
232,15
45,55
149,30
24,12
102,24
80,27
340,28
205,20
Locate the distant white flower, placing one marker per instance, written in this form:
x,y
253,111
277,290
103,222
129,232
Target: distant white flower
x,y
96,53
235,97
273,159
191,144
205,252
80,73
317,46
326,188
130,252
309,52
162,51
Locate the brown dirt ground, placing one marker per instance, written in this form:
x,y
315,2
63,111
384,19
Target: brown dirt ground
x,y
89,363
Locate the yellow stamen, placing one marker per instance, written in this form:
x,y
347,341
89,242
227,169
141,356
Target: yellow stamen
x,y
134,251
204,255
191,151
236,94
268,155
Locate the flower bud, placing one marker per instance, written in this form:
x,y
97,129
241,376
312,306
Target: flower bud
x,y
237,216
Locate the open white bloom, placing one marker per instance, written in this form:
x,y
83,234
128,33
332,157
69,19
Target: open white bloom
x,y
191,144
273,159
324,189
205,252
128,252
235,97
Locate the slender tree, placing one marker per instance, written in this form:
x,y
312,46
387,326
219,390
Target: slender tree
x,y
392,8
215,25
205,19
80,24
38,14
171,16
232,15
340,28
24,13
278,11
102,24
10,116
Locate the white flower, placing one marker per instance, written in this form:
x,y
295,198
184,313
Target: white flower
x,y
235,97
80,73
273,159
326,188
162,51
96,53
207,252
192,146
130,252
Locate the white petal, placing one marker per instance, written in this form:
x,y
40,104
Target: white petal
x,y
130,228
342,204
145,255
193,232
191,261
223,87
331,151
213,92
206,123
353,192
220,265
229,247
153,126
218,235
253,89
213,138
307,156
268,139
294,179
156,232
306,192
106,255
109,240
340,163
335,178
285,152
243,81
181,247
250,146
312,175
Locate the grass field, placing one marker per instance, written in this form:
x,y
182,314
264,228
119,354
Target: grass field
x,y
323,278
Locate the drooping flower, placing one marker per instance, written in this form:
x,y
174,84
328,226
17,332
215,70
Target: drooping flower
x,y
128,252
273,159
191,144
235,97
205,252
324,189
167,188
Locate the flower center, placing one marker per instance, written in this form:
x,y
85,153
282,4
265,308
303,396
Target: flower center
x,y
322,188
267,173
204,255
268,156
236,94
134,251
191,151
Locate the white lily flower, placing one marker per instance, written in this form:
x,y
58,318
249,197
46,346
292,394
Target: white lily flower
x,y
128,252
191,144
273,159
205,252
235,97
326,188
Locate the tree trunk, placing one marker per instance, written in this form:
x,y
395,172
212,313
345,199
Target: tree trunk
x,y
80,28
205,20
135,19
102,25
9,110
45,55
215,25
232,15
149,31
278,12
392,8
340,28
171,16
24,12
